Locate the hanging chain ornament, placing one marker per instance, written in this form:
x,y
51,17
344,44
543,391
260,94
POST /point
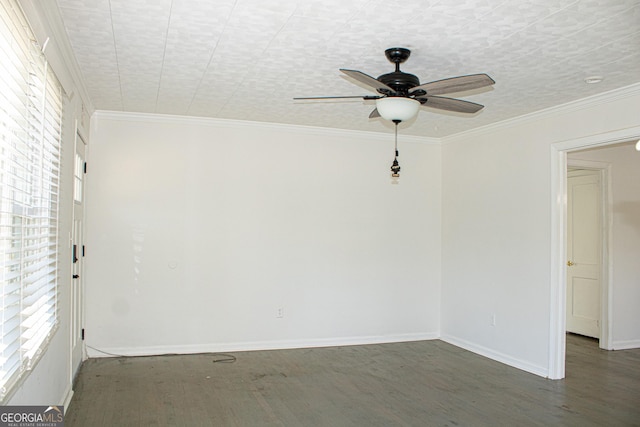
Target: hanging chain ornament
x,y
395,167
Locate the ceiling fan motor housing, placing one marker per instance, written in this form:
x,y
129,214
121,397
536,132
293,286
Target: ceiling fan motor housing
x,y
399,81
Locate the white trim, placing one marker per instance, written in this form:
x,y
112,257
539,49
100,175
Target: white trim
x,y
232,123
557,299
44,18
68,395
591,101
580,104
625,345
607,138
256,345
557,309
496,355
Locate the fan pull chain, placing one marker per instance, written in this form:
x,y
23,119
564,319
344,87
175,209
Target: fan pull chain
x,y
396,144
395,167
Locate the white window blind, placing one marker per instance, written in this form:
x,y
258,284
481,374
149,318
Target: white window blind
x,y
30,139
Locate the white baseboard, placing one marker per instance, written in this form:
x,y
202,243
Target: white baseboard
x,y
96,351
66,401
497,356
625,345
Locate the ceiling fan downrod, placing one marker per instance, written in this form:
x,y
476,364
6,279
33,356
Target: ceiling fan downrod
x,y
399,81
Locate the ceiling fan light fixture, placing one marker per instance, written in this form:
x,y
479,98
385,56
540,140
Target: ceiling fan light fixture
x,y
397,108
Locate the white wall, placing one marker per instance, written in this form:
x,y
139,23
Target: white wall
x,y
497,228
198,231
625,244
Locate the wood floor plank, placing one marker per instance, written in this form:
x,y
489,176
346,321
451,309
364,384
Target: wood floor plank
x,y
402,384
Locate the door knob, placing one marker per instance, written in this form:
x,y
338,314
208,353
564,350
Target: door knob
x,y
569,263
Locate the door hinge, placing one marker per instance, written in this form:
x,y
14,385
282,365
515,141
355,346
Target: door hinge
x,y
82,334
83,251
85,167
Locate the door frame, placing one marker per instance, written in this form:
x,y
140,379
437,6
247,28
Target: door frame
x,y
80,137
557,303
606,233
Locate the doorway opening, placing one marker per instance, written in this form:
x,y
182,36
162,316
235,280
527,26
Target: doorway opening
x,y
588,235
559,166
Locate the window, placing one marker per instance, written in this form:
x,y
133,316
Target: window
x,y
30,139
78,176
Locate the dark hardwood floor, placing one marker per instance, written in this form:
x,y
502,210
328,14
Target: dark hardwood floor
x,y
426,383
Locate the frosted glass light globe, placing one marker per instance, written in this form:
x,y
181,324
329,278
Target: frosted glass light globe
x,y
397,108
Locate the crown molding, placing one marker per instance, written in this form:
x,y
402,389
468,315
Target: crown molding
x,y
236,124
46,22
573,106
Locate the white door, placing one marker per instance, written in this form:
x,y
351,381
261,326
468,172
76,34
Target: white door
x,y
77,254
584,254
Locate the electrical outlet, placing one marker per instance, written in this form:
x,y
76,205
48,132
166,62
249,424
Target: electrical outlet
x,y
280,313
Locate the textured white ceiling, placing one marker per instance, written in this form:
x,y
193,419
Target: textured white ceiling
x,y
247,59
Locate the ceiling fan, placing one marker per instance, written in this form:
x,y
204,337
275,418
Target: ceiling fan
x,y
401,94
